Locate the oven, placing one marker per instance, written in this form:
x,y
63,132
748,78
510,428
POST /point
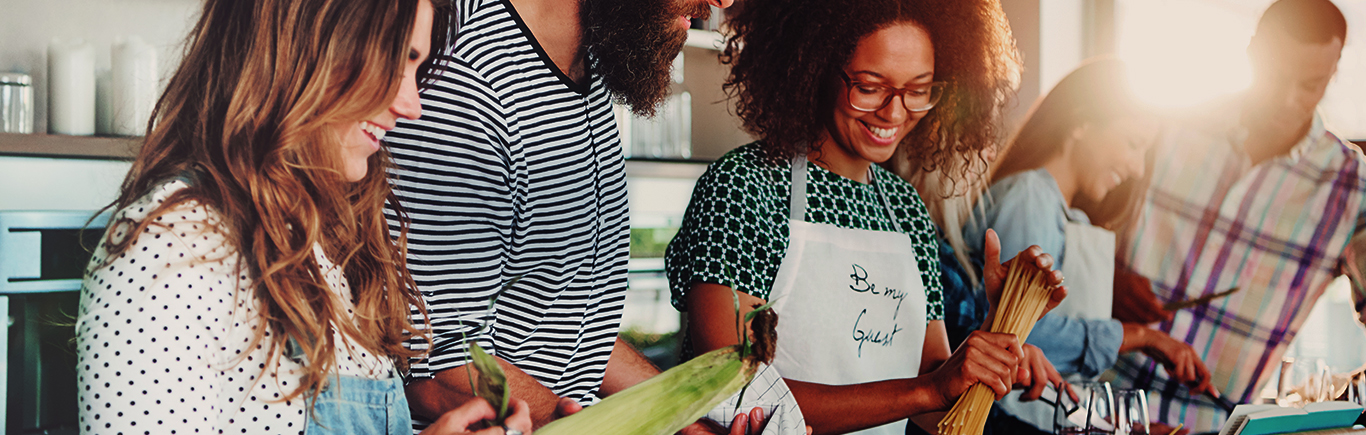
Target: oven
x,y
43,255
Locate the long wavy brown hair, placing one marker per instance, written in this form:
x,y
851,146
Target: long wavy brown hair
x,y
1095,93
785,56
249,113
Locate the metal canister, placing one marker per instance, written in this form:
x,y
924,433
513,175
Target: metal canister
x,y
16,103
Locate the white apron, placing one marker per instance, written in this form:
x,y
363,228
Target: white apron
x,y
1089,268
851,303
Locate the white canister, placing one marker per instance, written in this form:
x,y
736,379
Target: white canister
x,y
133,85
71,87
104,103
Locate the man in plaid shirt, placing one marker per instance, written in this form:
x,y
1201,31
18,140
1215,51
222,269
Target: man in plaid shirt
x,y
1253,193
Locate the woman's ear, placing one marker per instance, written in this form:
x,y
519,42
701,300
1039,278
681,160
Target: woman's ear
x,y
1075,136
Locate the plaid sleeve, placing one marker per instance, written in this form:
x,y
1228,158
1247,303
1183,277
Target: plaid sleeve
x,y
1354,265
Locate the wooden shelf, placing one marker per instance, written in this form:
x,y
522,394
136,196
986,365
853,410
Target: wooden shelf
x,y
665,168
69,147
125,148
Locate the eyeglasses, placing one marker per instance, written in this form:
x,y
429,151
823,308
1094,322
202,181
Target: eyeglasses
x,y
872,97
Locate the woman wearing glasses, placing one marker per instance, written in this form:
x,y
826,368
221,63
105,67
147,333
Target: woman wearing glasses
x,y
845,250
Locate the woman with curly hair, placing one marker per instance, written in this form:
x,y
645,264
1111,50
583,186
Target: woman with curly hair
x,y
806,219
248,282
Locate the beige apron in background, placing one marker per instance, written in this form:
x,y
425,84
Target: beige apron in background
x,y
1089,268
851,303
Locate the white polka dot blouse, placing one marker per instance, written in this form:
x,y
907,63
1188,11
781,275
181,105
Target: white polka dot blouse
x,y
165,330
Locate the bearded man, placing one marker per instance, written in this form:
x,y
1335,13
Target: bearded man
x,y
514,177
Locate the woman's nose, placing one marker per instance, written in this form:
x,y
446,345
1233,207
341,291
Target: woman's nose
x,y
1138,165
407,104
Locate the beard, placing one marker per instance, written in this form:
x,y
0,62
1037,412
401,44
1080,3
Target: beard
x,y
632,44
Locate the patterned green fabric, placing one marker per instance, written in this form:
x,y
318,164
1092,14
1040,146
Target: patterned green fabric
x,y
736,227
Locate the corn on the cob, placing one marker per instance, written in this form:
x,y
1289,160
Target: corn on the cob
x,y
672,400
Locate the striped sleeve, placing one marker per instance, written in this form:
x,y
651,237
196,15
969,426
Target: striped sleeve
x,y
455,185
515,171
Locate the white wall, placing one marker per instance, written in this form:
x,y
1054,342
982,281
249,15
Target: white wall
x,y
27,26
1061,40
28,183
1025,19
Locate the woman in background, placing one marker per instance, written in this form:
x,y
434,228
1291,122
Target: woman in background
x,y
248,282
949,195
844,249
1072,174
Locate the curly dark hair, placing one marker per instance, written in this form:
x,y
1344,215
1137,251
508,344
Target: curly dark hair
x,y
784,56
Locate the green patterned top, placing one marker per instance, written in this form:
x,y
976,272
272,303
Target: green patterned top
x,y
736,227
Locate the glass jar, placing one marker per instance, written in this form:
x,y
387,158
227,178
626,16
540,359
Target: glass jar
x,y
16,103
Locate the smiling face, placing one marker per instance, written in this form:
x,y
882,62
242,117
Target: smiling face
x,y
1289,77
1103,156
360,139
900,56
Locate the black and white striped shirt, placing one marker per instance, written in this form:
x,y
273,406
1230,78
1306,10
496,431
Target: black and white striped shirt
x,y
515,170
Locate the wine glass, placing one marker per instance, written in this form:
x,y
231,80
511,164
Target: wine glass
x,y
1356,389
1091,413
1132,418
1303,381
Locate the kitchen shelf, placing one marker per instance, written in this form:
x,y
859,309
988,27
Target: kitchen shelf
x,y
126,148
665,168
69,147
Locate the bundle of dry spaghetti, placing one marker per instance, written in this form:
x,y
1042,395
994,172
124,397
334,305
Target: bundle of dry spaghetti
x,y
1023,299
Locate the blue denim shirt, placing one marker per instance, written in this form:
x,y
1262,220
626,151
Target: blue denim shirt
x,y
1028,209
965,304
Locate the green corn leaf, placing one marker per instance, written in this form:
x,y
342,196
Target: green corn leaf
x,y
750,315
493,383
664,404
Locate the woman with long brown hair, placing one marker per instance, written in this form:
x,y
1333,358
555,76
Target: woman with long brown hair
x,y
248,282
1068,179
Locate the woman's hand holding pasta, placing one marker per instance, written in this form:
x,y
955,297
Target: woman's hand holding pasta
x,y
994,275
989,358
1022,294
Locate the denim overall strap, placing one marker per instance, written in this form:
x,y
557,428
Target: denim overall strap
x,y
360,406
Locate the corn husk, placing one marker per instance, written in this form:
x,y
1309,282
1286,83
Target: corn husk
x,y
489,383
492,383
666,403
670,401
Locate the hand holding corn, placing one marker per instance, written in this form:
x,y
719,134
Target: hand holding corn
x,y
473,414
675,399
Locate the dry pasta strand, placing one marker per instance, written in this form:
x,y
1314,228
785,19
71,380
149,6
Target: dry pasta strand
x,y
1023,298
